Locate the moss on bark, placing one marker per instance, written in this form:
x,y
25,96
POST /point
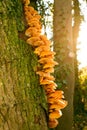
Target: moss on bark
x,y
22,100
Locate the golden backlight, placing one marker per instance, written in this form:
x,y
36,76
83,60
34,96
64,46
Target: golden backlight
x,y
82,39
82,46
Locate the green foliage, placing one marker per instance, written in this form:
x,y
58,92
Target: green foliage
x,y
45,9
80,101
77,15
80,121
83,82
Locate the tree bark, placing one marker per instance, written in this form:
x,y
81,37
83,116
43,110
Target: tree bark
x,y
63,46
22,99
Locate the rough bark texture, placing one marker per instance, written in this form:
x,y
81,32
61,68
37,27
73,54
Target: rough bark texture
x,y
22,100
63,46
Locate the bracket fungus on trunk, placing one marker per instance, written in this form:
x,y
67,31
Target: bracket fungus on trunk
x,y
41,44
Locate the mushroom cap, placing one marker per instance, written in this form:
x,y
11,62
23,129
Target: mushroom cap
x,y
38,43
45,60
29,8
49,87
35,19
58,105
30,11
52,100
56,94
28,15
47,53
55,114
26,2
32,40
48,77
52,123
39,49
41,73
32,32
49,70
62,103
52,84
49,90
45,39
46,81
50,64
37,16
35,24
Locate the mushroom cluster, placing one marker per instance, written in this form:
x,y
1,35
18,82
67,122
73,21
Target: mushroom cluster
x,y
55,98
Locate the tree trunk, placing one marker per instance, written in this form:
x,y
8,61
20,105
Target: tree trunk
x,y
63,46
22,100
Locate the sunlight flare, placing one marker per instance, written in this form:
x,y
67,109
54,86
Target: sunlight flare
x,y
82,46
